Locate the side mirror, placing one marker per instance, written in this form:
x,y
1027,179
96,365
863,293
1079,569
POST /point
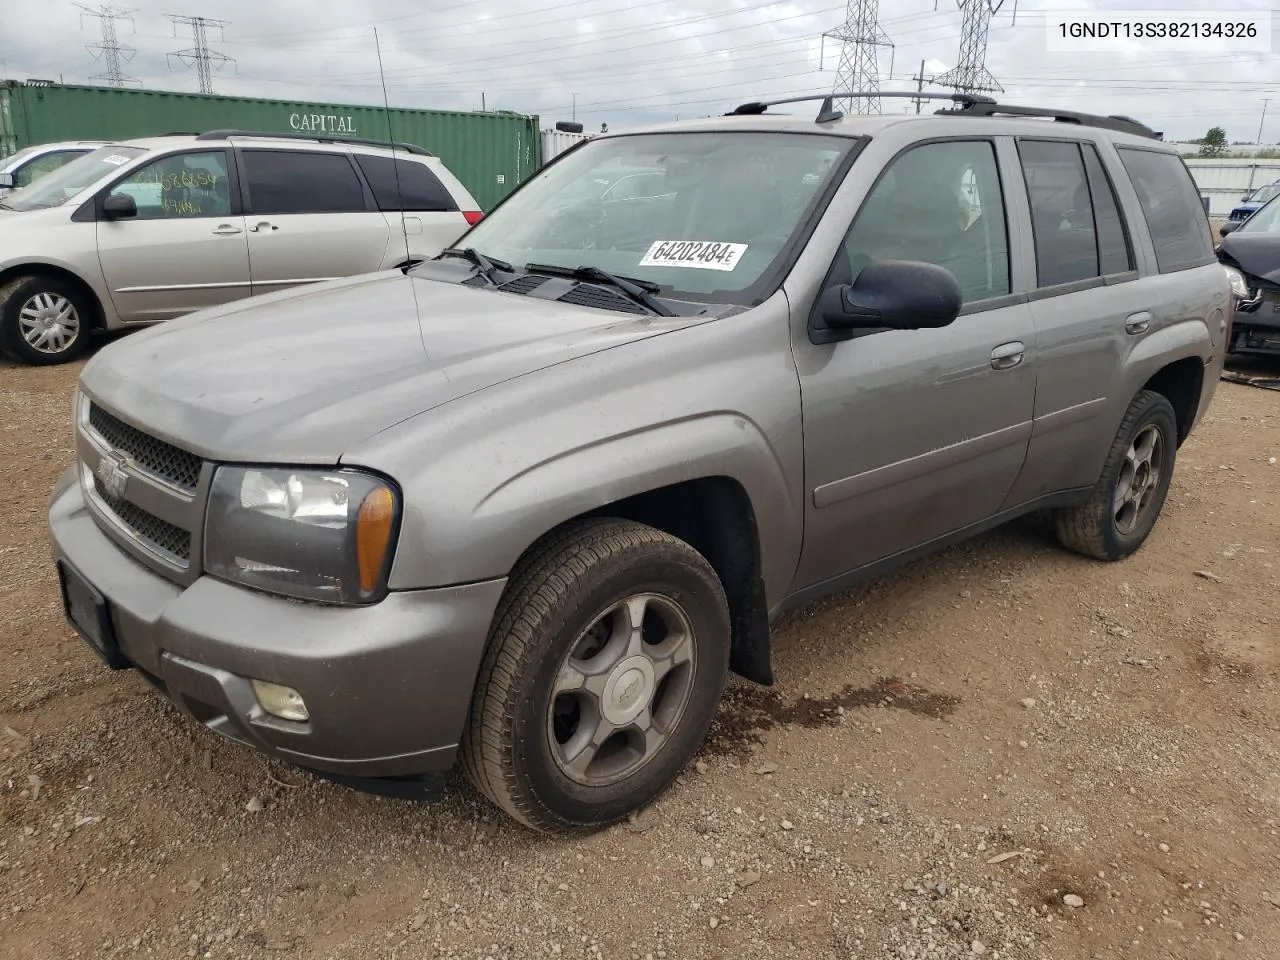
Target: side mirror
x,y
6,181
119,206
1229,227
890,294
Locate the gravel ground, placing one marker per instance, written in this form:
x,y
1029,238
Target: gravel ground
x,y
1003,750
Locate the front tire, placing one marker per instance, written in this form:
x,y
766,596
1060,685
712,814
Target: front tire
x,y
1127,499
606,661
44,320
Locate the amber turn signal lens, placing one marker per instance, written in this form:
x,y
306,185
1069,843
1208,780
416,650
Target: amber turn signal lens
x,y
373,535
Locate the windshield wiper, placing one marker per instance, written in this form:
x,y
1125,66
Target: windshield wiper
x,y
637,291
484,266
4,206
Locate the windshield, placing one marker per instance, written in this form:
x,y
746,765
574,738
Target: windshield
x,y
76,177
1266,219
702,215
1263,194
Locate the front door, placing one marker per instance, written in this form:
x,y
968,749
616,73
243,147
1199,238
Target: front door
x,y
309,218
185,249
911,435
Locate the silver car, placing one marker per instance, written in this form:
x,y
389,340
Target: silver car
x,y
148,230
29,164
526,507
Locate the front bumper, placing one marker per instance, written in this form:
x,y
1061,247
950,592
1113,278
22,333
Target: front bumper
x,y
387,686
1256,329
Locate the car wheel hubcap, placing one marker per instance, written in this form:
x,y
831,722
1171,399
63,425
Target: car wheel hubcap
x,y
49,322
1139,479
621,690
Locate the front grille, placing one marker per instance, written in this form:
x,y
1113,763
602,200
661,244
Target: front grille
x,y
158,534
171,464
586,295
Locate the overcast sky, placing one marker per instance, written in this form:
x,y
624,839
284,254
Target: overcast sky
x,y
630,63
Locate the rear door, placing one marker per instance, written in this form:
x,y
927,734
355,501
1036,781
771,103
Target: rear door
x,y
1090,303
186,247
309,218
408,186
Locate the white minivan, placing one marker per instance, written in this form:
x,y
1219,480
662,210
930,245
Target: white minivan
x,y
148,230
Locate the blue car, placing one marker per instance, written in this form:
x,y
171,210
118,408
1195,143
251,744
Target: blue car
x,y
1252,201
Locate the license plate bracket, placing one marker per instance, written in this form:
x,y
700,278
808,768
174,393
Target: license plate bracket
x,y
86,610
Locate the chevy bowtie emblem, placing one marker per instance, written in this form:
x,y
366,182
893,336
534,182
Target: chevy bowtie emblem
x,y
111,476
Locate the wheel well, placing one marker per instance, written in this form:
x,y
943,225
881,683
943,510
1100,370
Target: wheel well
x,y
48,270
1180,383
714,516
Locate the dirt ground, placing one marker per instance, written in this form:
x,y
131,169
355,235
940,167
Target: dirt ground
x,y
949,752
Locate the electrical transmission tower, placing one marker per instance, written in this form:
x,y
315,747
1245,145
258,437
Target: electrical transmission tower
x,y
206,61
970,74
109,50
861,38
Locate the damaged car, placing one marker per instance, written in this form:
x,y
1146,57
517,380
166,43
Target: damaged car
x,y
1251,255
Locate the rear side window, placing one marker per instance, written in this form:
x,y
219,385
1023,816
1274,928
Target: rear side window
x,y
281,182
1114,255
418,186
1171,206
1066,241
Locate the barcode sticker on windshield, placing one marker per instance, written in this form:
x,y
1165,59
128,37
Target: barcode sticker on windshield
x,y
115,159
700,254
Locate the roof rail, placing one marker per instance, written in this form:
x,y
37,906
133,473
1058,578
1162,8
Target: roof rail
x,y
967,105
989,108
315,138
827,112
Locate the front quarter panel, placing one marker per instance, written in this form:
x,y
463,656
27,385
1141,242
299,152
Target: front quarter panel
x,y
487,475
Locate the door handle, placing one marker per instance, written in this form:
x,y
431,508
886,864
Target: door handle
x,y
264,225
1137,323
226,230
1007,355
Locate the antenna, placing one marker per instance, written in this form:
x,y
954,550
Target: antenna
x,y
395,167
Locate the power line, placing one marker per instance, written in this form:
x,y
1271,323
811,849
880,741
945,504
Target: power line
x,y
108,49
970,74
861,38
199,55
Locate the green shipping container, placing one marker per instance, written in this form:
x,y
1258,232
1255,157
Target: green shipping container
x,y
491,153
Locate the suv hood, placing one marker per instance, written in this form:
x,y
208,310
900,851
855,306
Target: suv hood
x,y
301,376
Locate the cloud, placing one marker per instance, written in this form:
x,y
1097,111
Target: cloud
x,y
615,61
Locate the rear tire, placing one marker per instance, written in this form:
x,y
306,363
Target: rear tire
x,y
44,320
1127,499
605,665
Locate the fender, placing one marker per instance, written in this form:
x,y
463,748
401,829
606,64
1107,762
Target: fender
x,y
507,518
1178,341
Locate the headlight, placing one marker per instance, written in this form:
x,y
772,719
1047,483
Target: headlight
x,y
1238,285
321,535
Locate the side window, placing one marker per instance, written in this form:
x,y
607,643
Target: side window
x,y
283,182
48,163
180,186
420,188
1171,206
940,203
1062,225
1113,244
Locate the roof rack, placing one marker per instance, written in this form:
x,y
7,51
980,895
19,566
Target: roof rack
x,y
967,105
315,138
827,112
989,108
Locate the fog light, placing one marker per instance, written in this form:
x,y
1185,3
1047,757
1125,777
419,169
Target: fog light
x,y
280,701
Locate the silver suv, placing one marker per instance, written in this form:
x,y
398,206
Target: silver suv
x,y
527,506
148,230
